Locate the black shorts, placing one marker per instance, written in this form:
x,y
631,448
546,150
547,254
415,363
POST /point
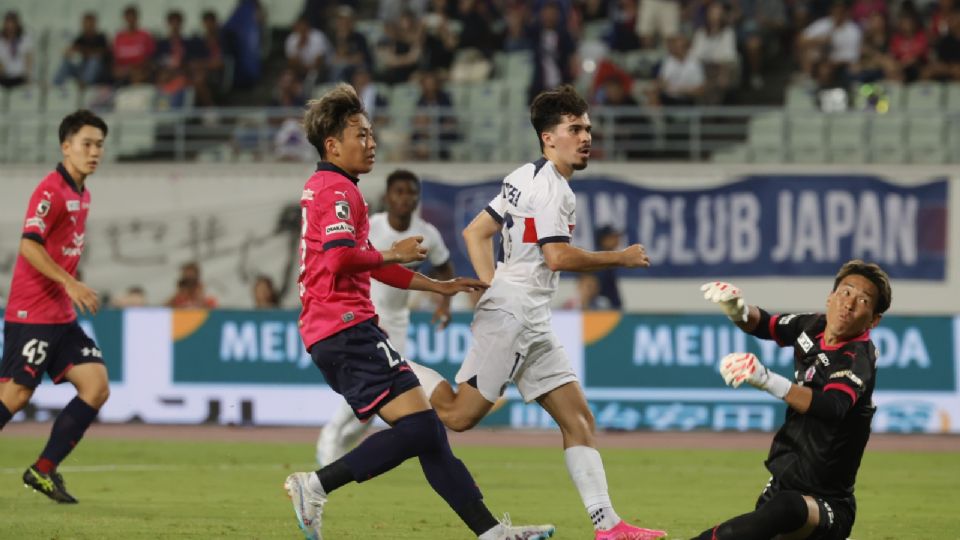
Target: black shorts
x,y
836,514
360,364
30,350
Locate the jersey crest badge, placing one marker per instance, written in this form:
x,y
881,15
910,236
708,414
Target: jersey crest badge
x,y
342,209
43,207
805,342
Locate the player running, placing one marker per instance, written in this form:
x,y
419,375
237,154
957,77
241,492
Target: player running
x,y
816,453
512,336
338,324
397,222
40,333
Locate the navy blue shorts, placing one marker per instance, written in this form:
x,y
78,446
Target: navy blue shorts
x,y
30,350
360,364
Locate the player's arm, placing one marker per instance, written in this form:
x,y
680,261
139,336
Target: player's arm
x,y
830,404
36,255
730,299
562,256
478,237
400,277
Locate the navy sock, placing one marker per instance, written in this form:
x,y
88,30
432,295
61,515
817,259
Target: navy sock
x,y
5,415
419,434
68,429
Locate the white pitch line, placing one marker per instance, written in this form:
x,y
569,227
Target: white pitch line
x,y
162,468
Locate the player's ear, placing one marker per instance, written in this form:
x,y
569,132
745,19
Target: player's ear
x,y
331,147
547,138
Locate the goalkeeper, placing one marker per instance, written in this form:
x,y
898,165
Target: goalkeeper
x,y
816,453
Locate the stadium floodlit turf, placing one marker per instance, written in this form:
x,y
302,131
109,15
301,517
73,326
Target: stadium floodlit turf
x,y
146,489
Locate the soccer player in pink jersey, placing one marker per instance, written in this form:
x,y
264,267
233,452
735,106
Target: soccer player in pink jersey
x,y
40,333
339,327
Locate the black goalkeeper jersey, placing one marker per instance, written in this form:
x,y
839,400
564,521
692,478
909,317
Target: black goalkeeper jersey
x,y
810,454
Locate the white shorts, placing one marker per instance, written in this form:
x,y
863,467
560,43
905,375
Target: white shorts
x,y
503,350
658,17
397,332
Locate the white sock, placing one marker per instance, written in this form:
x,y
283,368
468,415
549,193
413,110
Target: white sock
x,y
586,471
429,378
314,485
492,534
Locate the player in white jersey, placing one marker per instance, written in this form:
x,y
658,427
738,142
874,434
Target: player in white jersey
x,y
399,221
512,337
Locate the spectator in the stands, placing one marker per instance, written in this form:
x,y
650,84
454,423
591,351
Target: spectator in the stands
x,y
658,19
134,296
681,79
761,25
400,49
16,52
715,45
349,47
174,55
265,295
909,45
631,126
84,59
439,43
208,67
862,10
608,238
516,35
622,35
434,125
835,39
596,10
875,64
554,50
289,91
133,50
477,19
939,24
190,290
307,49
945,64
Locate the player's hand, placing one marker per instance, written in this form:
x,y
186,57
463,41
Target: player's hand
x,y
459,285
85,298
728,297
737,368
634,256
441,316
408,250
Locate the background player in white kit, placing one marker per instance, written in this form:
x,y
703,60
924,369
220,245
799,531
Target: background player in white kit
x,y
512,336
399,221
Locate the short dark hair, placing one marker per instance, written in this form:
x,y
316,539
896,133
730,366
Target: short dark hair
x,y
131,8
328,116
875,274
72,123
174,14
402,175
550,106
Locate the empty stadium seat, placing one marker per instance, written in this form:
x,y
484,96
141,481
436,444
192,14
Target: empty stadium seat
x,y
926,134
765,137
924,96
886,134
847,141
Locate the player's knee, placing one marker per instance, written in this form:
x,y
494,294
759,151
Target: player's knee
x,y
423,431
95,395
15,396
788,507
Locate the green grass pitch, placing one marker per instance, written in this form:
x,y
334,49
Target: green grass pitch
x,y
140,489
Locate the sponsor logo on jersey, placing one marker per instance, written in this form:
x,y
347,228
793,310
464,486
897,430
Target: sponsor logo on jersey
x,y
77,248
36,222
73,206
847,374
307,195
804,341
808,375
823,359
342,209
43,207
339,228
785,320
347,317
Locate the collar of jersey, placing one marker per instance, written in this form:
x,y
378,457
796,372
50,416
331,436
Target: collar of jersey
x,y
330,167
69,179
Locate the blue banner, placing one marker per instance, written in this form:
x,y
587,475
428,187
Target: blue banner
x,y
778,225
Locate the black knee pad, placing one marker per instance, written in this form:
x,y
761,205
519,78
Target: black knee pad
x,y
787,507
423,431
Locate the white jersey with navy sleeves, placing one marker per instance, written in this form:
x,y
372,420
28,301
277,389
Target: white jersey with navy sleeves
x,y
535,207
